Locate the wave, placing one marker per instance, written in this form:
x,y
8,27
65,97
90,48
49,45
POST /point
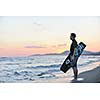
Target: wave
x,y
48,66
59,65
88,62
6,59
25,71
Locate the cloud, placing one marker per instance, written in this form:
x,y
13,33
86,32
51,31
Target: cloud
x,y
2,48
54,46
59,45
34,46
39,27
38,24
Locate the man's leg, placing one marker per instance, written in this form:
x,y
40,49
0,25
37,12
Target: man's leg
x,y
74,66
75,70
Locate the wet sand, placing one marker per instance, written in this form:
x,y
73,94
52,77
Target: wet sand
x,y
92,76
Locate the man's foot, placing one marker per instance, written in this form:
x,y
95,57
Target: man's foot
x,y
75,77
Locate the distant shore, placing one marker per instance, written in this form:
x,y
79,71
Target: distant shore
x,y
67,52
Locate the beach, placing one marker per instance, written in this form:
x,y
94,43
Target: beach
x,y
88,74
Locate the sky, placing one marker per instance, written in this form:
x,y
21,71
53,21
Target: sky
x,y
27,35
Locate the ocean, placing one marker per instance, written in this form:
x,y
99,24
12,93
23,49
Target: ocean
x,y
37,68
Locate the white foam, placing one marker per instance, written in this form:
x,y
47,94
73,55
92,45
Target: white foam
x,y
80,79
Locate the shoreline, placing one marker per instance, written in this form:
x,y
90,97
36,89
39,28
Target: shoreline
x,y
88,74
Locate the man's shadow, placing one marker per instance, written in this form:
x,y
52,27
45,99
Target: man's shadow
x,y
92,76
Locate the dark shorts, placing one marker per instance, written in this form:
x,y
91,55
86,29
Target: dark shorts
x,y
74,62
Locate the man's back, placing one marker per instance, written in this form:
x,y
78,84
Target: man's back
x,y
73,46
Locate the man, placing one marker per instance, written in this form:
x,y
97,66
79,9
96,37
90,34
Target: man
x,y
72,54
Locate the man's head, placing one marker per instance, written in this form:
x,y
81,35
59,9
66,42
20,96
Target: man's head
x,y
72,36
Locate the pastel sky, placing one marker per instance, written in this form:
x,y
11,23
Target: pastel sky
x,y
24,35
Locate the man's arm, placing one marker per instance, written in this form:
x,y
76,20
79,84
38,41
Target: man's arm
x,y
73,54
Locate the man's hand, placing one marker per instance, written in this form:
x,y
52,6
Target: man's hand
x,y
72,58
71,63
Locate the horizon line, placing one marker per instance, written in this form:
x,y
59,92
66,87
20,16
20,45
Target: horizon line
x,y
48,53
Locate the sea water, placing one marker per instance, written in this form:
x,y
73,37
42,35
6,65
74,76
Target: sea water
x,y
35,68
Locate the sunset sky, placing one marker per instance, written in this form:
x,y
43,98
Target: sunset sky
x,y
21,36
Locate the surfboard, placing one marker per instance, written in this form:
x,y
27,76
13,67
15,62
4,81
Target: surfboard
x,y
67,62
